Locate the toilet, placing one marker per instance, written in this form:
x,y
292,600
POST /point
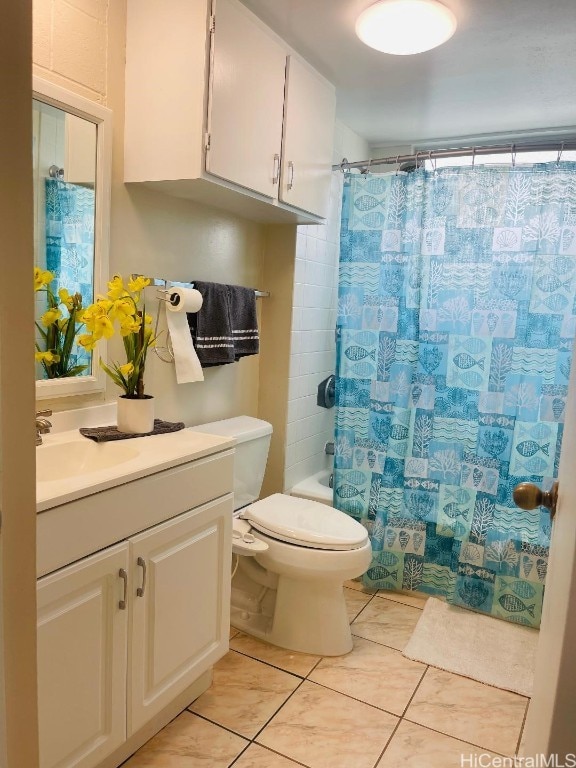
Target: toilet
x,y
292,554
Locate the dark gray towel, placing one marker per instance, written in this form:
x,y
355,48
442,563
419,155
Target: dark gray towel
x,y
210,327
226,328
244,321
104,434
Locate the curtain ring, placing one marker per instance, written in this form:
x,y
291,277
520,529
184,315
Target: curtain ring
x,y
416,159
513,155
433,162
366,168
560,153
343,164
397,164
473,156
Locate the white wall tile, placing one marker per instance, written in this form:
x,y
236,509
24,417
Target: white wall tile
x,y
313,352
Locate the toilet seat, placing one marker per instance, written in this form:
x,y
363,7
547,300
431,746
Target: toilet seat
x,y
305,523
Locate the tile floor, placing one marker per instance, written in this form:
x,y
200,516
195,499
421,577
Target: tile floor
x,y
271,708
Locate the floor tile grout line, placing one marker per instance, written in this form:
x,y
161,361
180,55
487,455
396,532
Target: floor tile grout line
x,y
381,755
518,744
219,725
411,699
268,749
274,666
353,698
391,647
278,710
456,738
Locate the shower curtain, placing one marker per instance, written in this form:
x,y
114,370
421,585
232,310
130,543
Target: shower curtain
x,y
70,244
455,328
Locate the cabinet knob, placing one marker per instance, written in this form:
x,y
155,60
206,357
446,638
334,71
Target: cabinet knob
x,y
529,496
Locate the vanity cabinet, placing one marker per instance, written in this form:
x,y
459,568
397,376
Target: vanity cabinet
x,y
179,611
127,631
219,109
82,641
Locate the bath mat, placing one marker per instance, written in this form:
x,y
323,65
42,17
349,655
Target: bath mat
x,y
481,647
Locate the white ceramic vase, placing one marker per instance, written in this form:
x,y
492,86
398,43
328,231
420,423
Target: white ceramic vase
x,y
135,414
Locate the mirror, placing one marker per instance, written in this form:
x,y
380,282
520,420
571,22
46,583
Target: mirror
x,y
71,165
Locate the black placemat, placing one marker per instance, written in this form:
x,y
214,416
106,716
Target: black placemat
x,y
104,434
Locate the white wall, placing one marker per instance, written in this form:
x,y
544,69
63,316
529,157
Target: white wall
x,y
313,351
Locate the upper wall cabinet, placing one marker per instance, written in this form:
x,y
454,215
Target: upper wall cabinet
x,y
220,110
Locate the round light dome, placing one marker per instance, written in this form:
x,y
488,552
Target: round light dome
x,y
403,27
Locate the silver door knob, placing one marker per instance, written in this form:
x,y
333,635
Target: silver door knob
x,y
529,496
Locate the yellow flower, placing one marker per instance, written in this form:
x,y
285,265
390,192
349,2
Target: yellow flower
x,y
102,327
47,357
116,289
50,317
148,319
96,312
130,325
137,284
66,298
122,309
126,370
87,341
42,278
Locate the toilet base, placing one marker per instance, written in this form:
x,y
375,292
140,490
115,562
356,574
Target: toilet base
x,y
309,617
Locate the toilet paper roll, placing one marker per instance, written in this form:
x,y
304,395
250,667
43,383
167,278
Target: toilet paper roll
x,y
183,300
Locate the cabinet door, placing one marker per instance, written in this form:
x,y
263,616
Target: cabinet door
x,y
82,636
308,140
180,606
246,101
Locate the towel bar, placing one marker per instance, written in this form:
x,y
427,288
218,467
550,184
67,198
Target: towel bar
x,y
159,282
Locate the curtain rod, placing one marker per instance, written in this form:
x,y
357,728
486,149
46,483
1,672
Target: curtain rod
x,y
557,146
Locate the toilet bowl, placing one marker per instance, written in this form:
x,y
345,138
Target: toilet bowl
x,y
293,555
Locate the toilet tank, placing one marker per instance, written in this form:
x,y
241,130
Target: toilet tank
x,y
252,444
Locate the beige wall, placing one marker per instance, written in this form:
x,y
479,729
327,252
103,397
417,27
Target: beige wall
x,y
80,45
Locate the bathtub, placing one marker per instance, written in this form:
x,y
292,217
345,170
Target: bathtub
x,y
315,487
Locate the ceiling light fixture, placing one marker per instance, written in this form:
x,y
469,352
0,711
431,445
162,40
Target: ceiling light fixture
x,y
404,27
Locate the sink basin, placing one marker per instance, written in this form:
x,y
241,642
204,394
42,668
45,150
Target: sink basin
x,y
59,461
70,467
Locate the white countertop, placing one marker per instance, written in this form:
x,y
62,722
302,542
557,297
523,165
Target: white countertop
x,y
152,454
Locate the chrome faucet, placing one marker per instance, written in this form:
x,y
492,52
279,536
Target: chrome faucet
x,y
43,426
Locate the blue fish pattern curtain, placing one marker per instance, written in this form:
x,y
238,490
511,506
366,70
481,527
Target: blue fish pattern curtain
x,y
70,243
455,330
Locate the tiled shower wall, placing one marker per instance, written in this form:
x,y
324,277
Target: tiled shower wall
x,y
313,351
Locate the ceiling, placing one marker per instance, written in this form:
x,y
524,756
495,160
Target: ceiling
x,y
509,68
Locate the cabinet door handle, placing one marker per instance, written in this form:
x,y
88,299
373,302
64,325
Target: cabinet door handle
x,y
291,180
142,563
124,576
276,172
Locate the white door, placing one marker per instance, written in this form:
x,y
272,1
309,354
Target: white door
x,y
552,713
308,138
82,636
246,101
180,606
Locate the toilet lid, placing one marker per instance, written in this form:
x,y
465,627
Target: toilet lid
x,y
305,522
